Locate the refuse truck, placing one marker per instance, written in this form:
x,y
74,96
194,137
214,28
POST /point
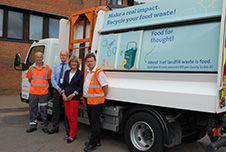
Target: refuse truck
x,y
165,64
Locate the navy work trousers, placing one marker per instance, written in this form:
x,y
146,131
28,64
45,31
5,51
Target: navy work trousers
x,y
42,102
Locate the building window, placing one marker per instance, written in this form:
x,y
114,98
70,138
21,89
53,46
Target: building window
x,y
15,25
1,22
115,2
53,28
23,25
36,27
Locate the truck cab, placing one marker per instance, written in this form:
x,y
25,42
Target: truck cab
x,y
49,48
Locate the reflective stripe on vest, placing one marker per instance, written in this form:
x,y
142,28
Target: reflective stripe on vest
x,y
40,85
45,78
95,95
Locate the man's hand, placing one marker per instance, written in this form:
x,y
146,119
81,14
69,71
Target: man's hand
x,y
59,90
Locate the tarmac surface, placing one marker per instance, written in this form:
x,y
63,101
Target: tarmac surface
x,y
14,120
11,102
12,105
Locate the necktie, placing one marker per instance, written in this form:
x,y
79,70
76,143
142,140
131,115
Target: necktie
x,y
61,73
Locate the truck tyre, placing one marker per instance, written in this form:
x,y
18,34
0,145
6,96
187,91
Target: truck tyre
x,y
143,133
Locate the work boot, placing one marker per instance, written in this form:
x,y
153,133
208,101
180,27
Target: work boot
x,y
87,144
89,148
31,129
45,130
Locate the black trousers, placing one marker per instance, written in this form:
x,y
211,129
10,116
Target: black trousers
x,y
94,112
57,103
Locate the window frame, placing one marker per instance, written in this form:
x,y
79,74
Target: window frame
x,y
8,26
42,26
2,22
110,2
49,26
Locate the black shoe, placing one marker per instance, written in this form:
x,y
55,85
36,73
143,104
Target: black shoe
x,y
70,140
45,130
31,130
89,148
52,131
87,144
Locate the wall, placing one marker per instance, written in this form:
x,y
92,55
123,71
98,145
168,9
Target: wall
x,y
10,78
60,7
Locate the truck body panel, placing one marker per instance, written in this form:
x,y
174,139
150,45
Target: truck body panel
x,y
164,91
179,58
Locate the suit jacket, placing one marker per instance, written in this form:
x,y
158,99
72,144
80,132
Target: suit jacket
x,y
75,86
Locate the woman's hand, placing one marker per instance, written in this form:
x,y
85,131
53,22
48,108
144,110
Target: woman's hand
x,y
64,97
70,96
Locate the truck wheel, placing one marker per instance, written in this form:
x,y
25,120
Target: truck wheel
x,y
143,133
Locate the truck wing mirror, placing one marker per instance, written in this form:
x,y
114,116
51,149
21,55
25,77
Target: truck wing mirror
x,y
17,63
17,60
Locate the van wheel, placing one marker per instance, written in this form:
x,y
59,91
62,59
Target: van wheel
x,y
143,133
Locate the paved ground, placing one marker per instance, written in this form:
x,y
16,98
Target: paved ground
x,y
11,101
14,119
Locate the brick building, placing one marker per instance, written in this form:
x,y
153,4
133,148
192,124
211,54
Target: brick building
x,y
24,21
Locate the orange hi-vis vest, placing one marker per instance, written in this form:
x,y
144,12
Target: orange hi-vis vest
x,y
95,92
39,80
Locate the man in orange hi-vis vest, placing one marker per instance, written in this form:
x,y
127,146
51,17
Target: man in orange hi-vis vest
x,y
95,89
39,75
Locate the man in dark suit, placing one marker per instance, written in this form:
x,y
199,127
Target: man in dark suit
x,y
57,80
